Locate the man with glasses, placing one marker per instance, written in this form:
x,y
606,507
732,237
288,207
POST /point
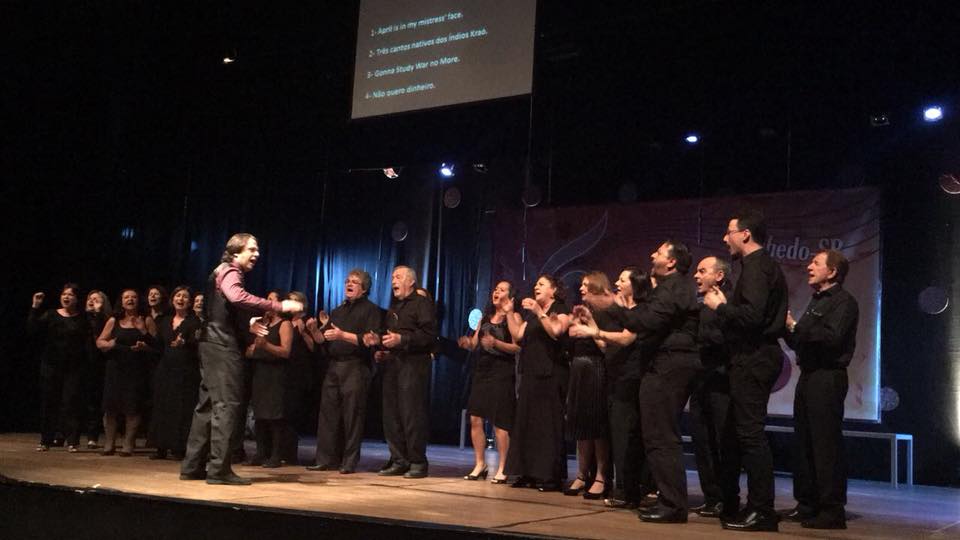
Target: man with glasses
x,y
751,321
343,396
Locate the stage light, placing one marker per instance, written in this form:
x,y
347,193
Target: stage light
x,y
879,120
933,114
692,138
480,168
391,172
127,233
446,170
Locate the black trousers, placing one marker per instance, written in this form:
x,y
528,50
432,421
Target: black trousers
x,y
751,380
406,384
61,406
709,415
218,412
632,476
820,473
343,410
662,399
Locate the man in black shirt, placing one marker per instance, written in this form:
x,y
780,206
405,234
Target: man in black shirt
x,y
710,401
343,397
752,321
409,340
669,319
824,339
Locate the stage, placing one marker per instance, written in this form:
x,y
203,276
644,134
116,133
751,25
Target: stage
x,y
86,495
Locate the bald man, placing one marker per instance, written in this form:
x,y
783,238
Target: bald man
x,y
409,340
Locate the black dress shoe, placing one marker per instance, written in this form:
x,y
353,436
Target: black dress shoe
x,y
754,521
800,513
346,470
386,466
229,480
193,476
417,470
482,475
824,521
570,491
663,515
320,468
616,502
271,463
708,509
397,469
596,496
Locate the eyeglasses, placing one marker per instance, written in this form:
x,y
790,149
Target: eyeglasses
x,y
735,231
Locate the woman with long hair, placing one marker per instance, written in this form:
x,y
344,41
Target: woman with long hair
x,y
537,454
129,338
64,333
493,388
177,379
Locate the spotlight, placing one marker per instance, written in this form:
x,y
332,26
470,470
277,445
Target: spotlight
x,y
230,57
879,120
446,170
392,172
933,114
692,138
480,168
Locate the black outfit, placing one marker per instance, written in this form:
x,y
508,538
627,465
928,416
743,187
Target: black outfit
x,y
537,449
625,369
343,397
214,429
752,320
297,389
93,378
824,339
710,408
63,366
176,384
586,404
493,394
406,379
127,373
670,320
267,398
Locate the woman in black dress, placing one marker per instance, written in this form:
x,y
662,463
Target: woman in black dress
x,y
493,387
98,311
537,453
625,363
587,397
270,354
298,381
64,333
128,338
177,380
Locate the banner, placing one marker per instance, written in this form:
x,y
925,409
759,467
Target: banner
x,y
570,241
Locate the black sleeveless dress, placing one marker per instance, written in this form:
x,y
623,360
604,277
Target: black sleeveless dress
x,y
493,386
269,378
537,448
176,383
125,384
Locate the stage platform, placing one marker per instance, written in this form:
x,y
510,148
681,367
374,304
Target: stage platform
x,y
57,494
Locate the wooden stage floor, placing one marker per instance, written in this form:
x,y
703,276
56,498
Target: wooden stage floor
x,y
875,510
